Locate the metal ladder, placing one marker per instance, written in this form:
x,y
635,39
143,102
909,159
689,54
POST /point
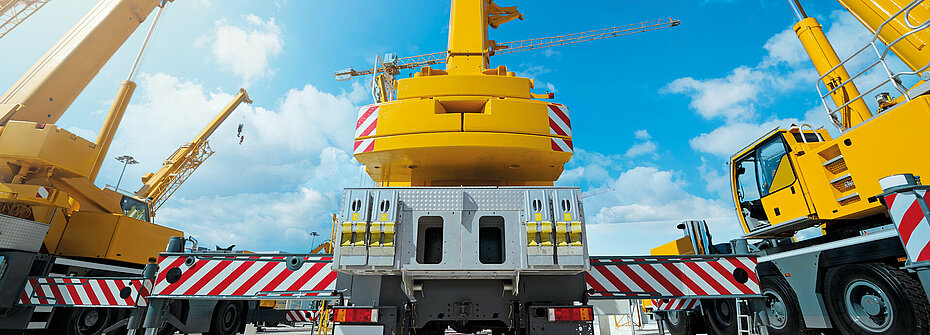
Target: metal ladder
x,y
746,323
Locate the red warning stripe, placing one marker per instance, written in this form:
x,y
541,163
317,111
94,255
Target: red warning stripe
x,y
671,277
248,276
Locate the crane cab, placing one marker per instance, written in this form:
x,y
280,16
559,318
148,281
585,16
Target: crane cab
x,y
770,194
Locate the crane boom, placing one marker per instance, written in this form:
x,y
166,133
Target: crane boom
x,y
44,92
394,66
14,12
592,35
159,186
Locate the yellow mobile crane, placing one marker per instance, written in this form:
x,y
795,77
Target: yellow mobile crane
x,y
54,221
159,186
856,278
465,229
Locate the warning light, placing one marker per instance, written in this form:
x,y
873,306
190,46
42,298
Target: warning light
x,y
355,315
571,314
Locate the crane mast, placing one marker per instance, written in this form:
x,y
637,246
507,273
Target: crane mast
x,y
390,65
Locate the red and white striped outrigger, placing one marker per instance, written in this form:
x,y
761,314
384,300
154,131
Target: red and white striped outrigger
x,y
673,282
243,276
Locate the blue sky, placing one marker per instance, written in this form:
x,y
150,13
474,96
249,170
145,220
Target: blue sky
x,y
655,115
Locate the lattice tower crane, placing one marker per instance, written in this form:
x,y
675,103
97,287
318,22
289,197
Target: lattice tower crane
x,y
14,12
389,66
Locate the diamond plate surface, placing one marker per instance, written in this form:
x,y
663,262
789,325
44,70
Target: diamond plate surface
x,y
494,199
21,234
432,199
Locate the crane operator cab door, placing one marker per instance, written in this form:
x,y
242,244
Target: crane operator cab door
x,y
766,187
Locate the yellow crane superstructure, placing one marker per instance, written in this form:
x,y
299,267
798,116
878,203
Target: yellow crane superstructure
x,y
470,124
48,173
817,179
852,276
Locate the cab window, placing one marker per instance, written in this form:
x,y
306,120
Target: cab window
x,y
748,187
135,208
774,168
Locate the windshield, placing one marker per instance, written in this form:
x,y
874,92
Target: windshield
x,y
772,175
135,208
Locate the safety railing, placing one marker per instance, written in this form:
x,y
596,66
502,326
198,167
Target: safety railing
x,y
882,53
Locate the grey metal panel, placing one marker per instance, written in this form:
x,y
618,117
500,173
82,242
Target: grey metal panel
x,y
494,199
565,211
538,213
460,210
803,280
355,201
384,212
356,210
21,234
427,199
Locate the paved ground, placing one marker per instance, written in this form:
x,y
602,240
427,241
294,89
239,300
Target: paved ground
x,y
304,329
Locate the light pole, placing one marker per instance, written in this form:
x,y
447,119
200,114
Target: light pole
x,y
126,159
313,236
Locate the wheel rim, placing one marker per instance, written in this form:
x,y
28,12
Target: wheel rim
x,y
90,321
673,317
722,312
868,306
776,309
229,317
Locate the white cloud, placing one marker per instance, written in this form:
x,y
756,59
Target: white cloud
x,y
269,220
549,52
650,194
785,67
640,149
732,98
643,147
247,49
726,140
285,178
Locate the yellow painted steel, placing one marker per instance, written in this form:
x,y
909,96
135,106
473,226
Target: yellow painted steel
x,y
114,237
681,246
824,57
468,124
50,172
51,85
159,186
912,49
837,179
38,146
110,125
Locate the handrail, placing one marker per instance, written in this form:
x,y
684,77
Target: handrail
x,y
892,77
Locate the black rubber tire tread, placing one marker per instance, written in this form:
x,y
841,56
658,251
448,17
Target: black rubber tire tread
x,y
174,308
719,328
902,289
793,309
685,326
62,321
218,311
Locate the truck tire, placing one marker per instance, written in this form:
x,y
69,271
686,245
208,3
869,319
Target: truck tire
x,y
81,321
782,307
720,315
680,322
875,298
227,318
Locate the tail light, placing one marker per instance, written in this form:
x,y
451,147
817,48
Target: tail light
x,y
355,315
571,314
